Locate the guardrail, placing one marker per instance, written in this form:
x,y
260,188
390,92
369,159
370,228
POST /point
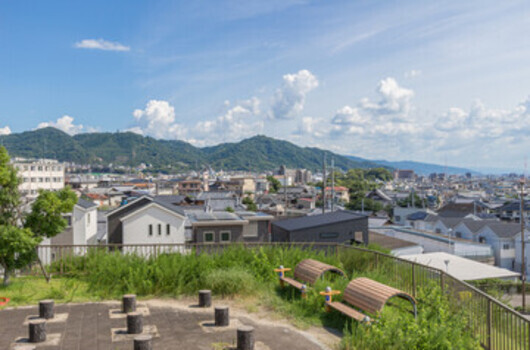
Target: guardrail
x,y
497,325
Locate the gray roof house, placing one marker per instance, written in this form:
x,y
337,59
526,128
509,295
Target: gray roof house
x,y
342,226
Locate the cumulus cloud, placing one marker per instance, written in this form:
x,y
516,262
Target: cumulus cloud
x,y
157,119
237,122
6,130
100,44
289,99
66,124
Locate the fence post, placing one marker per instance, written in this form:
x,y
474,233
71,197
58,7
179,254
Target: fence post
x,y
489,326
413,280
376,260
442,281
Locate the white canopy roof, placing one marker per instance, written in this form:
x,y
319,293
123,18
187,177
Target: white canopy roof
x,y
461,268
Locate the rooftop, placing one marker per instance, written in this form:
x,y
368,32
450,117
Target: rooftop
x,y
305,222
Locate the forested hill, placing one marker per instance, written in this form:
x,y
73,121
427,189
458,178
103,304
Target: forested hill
x,y
126,148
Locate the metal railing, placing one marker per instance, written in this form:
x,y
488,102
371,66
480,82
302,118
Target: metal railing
x,y
497,325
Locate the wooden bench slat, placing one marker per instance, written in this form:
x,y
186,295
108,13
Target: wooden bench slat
x,y
292,282
348,311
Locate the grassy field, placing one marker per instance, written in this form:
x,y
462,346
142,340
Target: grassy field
x,y
29,290
248,274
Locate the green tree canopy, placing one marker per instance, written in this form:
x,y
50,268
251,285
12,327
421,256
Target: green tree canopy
x,y
19,235
274,184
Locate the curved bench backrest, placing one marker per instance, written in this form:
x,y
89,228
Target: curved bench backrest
x,y
310,270
371,296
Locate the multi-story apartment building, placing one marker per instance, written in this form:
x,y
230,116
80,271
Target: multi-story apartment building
x,y
37,174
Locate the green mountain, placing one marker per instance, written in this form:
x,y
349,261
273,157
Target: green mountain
x,y
256,153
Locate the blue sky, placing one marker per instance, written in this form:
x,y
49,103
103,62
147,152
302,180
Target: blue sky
x,y
437,81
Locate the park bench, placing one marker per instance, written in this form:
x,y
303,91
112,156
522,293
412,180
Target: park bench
x,y
367,295
308,271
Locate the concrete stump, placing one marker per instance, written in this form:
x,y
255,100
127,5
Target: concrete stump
x,y
46,309
24,347
37,330
222,316
205,298
134,323
143,342
245,338
129,303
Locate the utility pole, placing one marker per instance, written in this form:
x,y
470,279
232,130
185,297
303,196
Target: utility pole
x,y
523,262
332,184
324,185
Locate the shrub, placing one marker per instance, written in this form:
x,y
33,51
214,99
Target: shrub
x,y
231,281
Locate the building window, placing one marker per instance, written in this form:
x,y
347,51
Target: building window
x,y
208,237
328,235
398,218
160,229
225,236
458,234
32,168
150,230
168,229
506,246
482,240
40,168
438,230
250,230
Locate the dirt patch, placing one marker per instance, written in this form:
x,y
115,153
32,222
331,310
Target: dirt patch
x,y
325,338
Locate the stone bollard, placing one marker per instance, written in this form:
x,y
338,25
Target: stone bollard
x,y
129,303
143,342
46,309
37,330
245,338
205,298
134,323
222,318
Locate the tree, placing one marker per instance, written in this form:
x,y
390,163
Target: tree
x,y
250,204
274,184
19,235
45,218
229,209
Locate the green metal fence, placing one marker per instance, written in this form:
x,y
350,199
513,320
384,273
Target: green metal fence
x,y
497,325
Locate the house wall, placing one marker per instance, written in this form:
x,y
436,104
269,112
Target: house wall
x,y
342,232
518,255
465,232
84,223
136,227
504,258
236,232
114,225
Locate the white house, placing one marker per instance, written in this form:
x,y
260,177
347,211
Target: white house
x,y
154,223
501,237
85,222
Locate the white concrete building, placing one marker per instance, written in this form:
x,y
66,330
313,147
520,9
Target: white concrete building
x,y
37,174
85,222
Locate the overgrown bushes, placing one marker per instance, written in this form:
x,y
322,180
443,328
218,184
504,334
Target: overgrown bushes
x,y
237,270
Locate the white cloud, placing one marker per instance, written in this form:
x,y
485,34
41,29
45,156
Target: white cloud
x,y
66,124
6,130
289,100
100,44
157,119
238,122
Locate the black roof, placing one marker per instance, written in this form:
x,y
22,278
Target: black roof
x,y
306,222
85,204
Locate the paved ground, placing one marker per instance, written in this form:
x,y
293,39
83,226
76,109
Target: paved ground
x,y
89,326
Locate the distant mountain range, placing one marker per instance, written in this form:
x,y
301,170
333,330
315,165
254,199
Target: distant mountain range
x,y
125,148
424,168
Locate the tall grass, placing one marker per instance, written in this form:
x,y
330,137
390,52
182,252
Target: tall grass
x,y
249,273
